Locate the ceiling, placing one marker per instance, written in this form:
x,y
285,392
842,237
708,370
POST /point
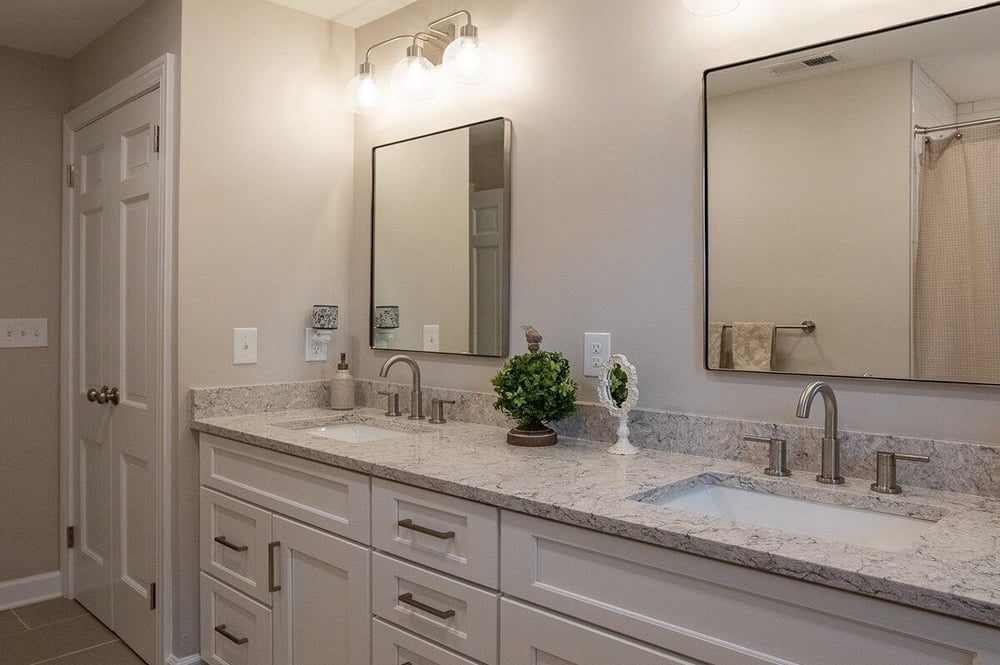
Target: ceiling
x,y
58,27
63,27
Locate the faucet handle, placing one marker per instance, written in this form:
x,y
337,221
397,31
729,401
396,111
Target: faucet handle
x,y
392,407
885,470
777,455
437,410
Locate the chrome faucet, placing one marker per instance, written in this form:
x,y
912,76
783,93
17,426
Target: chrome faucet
x,y
830,472
416,397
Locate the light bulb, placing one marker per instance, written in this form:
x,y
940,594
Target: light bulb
x,y
711,7
414,78
466,60
364,94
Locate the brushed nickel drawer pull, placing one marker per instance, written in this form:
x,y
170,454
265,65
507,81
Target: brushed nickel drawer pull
x,y
225,543
408,524
271,586
408,599
221,630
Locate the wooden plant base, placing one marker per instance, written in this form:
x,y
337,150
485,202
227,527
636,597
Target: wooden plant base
x,y
534,437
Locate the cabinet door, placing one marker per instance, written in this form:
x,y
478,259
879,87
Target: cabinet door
x,y
532,637
235,630
322,611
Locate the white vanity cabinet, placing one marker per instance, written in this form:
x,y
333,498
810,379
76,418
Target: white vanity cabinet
x,y
280,582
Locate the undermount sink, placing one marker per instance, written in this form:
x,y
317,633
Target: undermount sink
x,y
845,524
354,432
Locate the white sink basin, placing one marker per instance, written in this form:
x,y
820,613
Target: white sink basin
x,y
353,432
844,524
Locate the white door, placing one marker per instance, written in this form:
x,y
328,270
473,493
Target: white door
x,y
322,612
486,267
115,209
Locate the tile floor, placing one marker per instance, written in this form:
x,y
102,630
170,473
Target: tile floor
x,y
59,632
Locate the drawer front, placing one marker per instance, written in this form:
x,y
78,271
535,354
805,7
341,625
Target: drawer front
x,y
418,599
449,534
318,494
234,538
534,637
699,607
235,630
392,646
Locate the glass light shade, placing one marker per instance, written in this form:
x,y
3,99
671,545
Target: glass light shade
x,y
711,7
466,60
414,79
365,95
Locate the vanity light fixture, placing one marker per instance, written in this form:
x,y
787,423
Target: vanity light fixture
x,y
711,7
415,77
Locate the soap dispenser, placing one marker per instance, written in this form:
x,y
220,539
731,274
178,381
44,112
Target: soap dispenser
x,y
342,387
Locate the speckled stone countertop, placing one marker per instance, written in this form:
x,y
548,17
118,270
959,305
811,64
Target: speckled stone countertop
x,y
953,568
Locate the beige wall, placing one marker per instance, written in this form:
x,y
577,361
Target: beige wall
x,y
607,214
33,98
264,217
422,204
141,37
781,159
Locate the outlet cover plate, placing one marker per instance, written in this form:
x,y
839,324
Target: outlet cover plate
x,y
596,352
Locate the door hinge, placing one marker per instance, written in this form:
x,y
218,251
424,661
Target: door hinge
x,y
70,537
156,138
152,595
69,176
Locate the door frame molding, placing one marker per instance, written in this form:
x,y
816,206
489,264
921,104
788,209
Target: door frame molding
x,y
158,74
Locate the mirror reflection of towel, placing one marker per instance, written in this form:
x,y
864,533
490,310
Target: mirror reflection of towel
x,y
715,329
753,346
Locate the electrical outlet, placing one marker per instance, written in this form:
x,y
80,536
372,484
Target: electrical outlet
x,y
596,352
316,350
244,346
432,337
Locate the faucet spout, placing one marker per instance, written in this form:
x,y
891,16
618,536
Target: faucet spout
x,y
830,472
416,395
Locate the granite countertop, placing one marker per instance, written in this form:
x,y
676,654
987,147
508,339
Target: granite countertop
x,y
953,568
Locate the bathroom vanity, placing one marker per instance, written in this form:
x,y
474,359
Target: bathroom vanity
x,y
442,544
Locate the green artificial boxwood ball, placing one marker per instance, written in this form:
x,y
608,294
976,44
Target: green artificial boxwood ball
x,y
536,387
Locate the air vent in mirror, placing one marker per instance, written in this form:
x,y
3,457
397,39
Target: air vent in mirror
x,y
801,64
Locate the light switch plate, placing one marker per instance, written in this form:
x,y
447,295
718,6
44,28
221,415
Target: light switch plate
x,y
596,352
432,337
24,333
244,346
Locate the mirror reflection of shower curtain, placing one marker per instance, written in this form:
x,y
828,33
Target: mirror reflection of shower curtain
x,y
956,281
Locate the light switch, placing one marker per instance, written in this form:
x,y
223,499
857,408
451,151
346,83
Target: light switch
x,y
24,333
432,337
244,346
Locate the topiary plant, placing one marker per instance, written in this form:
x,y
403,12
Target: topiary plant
x,y
535,388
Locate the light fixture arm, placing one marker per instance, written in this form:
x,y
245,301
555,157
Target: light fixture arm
x,y
467,30
366,66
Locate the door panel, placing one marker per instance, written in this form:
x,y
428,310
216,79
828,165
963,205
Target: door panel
x,y
322,612
116,205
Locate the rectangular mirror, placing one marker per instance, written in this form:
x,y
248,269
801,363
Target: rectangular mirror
x,y
441,241
853,206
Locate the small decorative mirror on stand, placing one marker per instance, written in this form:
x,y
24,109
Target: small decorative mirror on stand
x,y
619,392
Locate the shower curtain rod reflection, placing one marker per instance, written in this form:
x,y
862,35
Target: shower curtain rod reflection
x,y
917,129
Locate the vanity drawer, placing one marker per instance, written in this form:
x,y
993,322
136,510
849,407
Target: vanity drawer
x,y
235,630
392,646
324,496
234,538
453,535
533,636
416,598
699,607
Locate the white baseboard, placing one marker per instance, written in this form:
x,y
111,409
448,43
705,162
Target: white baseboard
x,y
183,660
28,590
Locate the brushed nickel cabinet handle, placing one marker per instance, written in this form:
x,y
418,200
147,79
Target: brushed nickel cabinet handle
x,y
408,524
408,599
225,543
221,630
271,586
